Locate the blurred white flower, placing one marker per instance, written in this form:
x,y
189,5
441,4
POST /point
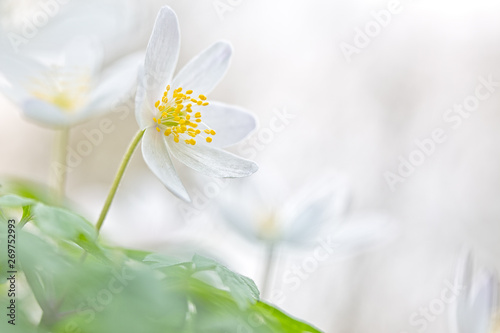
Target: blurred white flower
x,y
72,88
32,27
476,304
264,210
178,119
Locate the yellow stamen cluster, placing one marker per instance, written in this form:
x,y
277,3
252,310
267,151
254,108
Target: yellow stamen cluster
x,y
175,116
66,88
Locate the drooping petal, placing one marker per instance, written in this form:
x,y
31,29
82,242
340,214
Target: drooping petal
x,y
161,54
46,114
204,71
115,84
210,161
156,156
231,123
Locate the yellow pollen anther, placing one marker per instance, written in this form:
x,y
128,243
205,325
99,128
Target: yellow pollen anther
x,y
174,111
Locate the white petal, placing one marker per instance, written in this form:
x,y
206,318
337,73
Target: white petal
x,y
116,83
162,54
143,114
308,221
14,93
463,275
204,71
212,162
362,233
231,123
241,220
156,156
20,72
483,305
83,52
46,114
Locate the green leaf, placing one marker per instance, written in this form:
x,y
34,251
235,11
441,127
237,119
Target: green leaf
x,y
216,311
159,260
243,289
62,224
273,317
12,200
26,189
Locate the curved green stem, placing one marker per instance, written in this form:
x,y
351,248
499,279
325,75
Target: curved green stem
x,y
60,168
126,159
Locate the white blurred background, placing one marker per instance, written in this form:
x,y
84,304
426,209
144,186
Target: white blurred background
x,y
353,117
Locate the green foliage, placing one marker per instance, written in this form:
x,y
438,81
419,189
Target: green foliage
x,y
81,285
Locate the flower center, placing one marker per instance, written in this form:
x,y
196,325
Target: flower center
x,y
268,226
65,88
175,116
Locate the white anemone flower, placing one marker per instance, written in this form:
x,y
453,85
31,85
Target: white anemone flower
x,y
267,212
69,90
177,118
476,304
